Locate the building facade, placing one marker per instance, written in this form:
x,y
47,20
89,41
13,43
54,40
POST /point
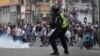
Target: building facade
x,y
43,8
9,11
26,11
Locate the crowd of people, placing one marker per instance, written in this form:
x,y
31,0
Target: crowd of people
x,y
74,35
25,32
77,32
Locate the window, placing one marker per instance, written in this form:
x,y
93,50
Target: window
x,y
7,9
39,0
0,9
26,16
27,3
4,10
21,1
48,15
47,0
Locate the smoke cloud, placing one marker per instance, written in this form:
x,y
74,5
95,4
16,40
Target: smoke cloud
x,y
6,41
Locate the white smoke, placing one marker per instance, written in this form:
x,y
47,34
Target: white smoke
x,y
6,41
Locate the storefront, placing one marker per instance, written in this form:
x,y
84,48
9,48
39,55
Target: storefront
x,y
43,10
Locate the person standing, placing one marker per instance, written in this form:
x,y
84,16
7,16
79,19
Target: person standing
x,y
85,20
59,23
8,31
18,33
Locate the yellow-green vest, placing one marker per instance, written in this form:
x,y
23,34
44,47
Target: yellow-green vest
x,y
64,23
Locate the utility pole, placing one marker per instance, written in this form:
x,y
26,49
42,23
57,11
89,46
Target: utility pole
x,y
31,11
93,18
99,21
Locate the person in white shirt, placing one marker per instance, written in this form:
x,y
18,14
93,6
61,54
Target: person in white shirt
x,y
8,30
23,36
18,33
68,35
43,35
34,30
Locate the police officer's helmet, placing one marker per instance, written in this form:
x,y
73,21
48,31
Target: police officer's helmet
x,y
55,8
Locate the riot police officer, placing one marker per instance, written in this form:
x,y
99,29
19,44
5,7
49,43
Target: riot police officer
x,y
59,23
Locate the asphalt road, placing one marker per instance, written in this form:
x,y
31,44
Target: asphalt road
x,y
35,50
45,51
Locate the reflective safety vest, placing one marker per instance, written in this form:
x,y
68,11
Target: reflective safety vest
x,y
64,23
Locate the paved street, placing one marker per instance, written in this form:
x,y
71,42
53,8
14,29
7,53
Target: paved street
x,y
35,50
44,51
